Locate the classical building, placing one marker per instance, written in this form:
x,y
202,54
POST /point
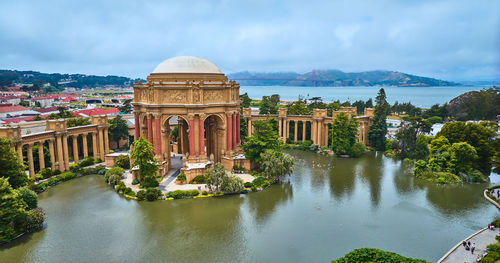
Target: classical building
x,y
89,139
313,127
187,106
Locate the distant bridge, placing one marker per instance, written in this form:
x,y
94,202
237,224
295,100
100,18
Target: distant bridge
x,y
312,80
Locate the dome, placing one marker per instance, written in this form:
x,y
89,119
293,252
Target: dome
x,y
187,64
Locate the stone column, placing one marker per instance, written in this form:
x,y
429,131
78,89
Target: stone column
x,y
101,143
66,152
287,129
158,135
192,151
319,127
234,131
52,155
137,127
238,131
75,148
304,130
31,166
229,133
94,146
41,158
249,127
295,135
20,152
150,129
60,155
202,136
85,145
106,140
313,131
180,138
279,127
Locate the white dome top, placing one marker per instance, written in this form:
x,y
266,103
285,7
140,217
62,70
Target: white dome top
x,y
187,64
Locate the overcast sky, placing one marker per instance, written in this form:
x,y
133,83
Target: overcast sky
x,y
451,40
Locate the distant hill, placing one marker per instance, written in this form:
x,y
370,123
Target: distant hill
x,y
337,78
11,77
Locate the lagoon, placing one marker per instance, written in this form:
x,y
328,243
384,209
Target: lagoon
x,y
420,96
328,207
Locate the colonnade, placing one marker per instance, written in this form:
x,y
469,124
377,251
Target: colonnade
x,y
56,138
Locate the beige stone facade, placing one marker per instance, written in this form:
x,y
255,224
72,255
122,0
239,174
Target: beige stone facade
x,y
206,106
317,125
56,139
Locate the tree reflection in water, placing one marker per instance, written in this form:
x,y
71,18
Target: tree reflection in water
x,y
262,204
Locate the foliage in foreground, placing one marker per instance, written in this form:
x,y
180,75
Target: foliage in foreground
x,y
143,156
375,255
218,180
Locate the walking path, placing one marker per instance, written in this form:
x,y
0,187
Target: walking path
x,y
482,238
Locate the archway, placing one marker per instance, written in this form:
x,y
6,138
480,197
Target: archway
x,y
214,137
175,140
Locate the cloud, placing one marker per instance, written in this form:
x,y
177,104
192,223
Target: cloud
x,y
454,40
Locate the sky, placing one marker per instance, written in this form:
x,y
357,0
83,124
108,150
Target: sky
x,y
452,40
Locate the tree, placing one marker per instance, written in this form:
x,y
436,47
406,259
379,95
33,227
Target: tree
x,y
298,107
462,156
378,129
29,197
479,135
126,107
276,164
24,103
118,129
476,105
11,167
265,105
360,106
264,137
75,122
369,103
37,118
143,157
274,100
12,211
215,177
245,101
412,142
344,131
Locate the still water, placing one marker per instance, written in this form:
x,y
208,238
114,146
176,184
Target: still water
x,y
329,206
419,96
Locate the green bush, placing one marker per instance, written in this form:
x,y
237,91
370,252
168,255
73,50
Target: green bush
x,y
259,181
181,177
435,119
248,185
493,254
141,194
120,187
47,172
200,179
87,161
152,194
57,172
38,188
29,197
496,223
114,179
98,161
357,150
244,191
129,191
53,181
123,161
115,172
93,170
375,255
204,193
38,177
66,176
135,181
102,171
178,194
34,220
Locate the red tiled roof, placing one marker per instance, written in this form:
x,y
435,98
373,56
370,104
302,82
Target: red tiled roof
x,y
19,119
11,108
44,110
94,112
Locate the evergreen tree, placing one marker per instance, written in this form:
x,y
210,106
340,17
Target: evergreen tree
x,y
143,157
11,168
264,137
265,105
245,100
344,131
118,129
378,129
12,211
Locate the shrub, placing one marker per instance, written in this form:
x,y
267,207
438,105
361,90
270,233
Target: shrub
x,y
141,194
114,179
38,177
98,160
496,223
200,179
152,194
357,150
135,181
181,177
38,188
244,191
87,161
102,171
123,161
178,194
34,220
29,197
47,172
53,181
93,170
232,184
375,255
248,185
259,181
116,173
129,191
204,193
75,168
66,176
57,172
120,187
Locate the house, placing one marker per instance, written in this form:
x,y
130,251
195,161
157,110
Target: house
x,y
14,100
95,112
48,111
9,110
45,101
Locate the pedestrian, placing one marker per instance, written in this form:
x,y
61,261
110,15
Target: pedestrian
x,y
464,243
472,248
468,243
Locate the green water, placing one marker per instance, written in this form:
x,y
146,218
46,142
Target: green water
x,y
329,207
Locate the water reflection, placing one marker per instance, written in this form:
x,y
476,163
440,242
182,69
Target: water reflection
x,y
372,173
263,204
342,176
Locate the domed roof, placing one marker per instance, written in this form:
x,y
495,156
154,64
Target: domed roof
x,y
187,64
